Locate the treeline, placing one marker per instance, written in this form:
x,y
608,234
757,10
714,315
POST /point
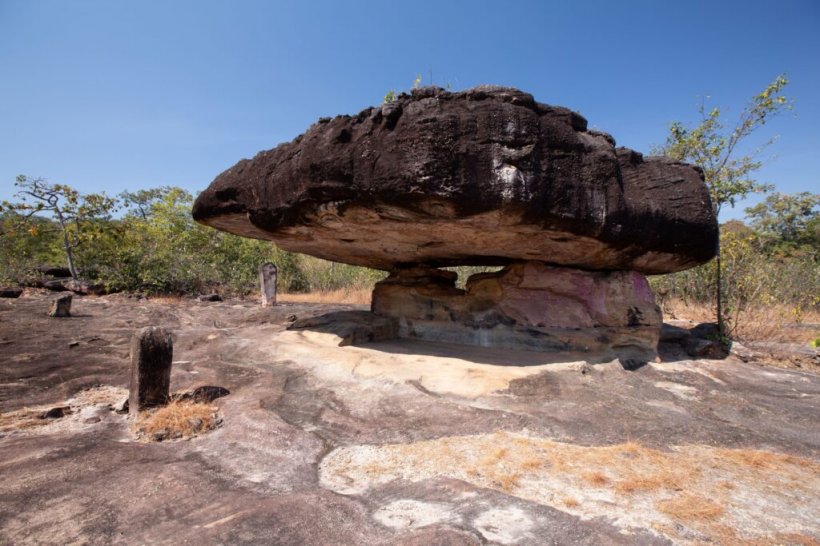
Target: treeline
x,y
147,242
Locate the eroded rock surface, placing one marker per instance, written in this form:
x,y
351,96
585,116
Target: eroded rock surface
x,y
396,443
484,176
529,306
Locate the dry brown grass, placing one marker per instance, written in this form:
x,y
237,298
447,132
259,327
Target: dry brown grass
x,y
167,299
359,296
570,502
179,419
597,478
22,419
690,507
694,487
776,323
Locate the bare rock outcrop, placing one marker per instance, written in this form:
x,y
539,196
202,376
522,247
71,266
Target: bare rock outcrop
x,y
483,176
486,176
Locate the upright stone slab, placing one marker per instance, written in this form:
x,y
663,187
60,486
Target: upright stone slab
x,y
152,350
267,282
60,306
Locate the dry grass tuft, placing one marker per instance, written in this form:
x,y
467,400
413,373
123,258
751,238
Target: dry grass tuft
x,y
759,459
598,479
570,502
357,296
179,419
507,482
691,507
166,299
22,419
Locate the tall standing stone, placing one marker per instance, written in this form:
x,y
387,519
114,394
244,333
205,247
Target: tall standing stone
x,y
60,306
152,350
267,281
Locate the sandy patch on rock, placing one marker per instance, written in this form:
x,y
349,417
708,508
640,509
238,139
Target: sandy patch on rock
x,y
412,514
688,494
78,412
509,525
439,368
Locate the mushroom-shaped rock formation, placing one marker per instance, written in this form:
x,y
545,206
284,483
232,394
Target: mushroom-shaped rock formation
x,y
486,176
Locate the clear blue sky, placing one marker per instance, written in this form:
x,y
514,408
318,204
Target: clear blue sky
x,y
113,95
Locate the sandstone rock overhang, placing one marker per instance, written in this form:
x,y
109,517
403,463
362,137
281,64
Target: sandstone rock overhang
x,y
486,176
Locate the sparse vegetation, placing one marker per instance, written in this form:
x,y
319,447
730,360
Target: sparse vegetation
x,y
693,488
157,248
179,419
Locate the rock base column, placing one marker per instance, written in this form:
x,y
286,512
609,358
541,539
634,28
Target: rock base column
x,y
527,305
152,351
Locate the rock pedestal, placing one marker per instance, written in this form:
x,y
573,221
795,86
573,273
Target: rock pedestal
x,y
60,306
487,176
152,351
527,305
267,283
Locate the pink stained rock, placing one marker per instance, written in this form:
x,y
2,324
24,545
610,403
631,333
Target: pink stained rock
x,y
527,305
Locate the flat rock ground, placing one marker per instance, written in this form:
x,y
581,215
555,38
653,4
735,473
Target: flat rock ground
x,y
392,442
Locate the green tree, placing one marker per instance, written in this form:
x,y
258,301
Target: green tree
x,y
791,219
714,148
78,217
141,201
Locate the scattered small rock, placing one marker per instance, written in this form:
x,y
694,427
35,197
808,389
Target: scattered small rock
x,y
704,348
84,287
121,406
207,393
673,334
291,318
706,330
55,285
631,364
91,420
54,270
10,292
73,343
160,435
56,413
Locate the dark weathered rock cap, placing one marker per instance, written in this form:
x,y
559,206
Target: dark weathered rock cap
x,y
482,176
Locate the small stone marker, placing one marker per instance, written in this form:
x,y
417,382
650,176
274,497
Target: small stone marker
x,y
60,306
152,350
267,280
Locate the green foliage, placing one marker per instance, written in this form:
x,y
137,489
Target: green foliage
x,y
788,219
80,218
26,244
156,247
756,273
389,97
709,146
728,177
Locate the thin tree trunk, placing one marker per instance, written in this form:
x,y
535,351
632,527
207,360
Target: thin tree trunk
x,y
720,321
67,246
